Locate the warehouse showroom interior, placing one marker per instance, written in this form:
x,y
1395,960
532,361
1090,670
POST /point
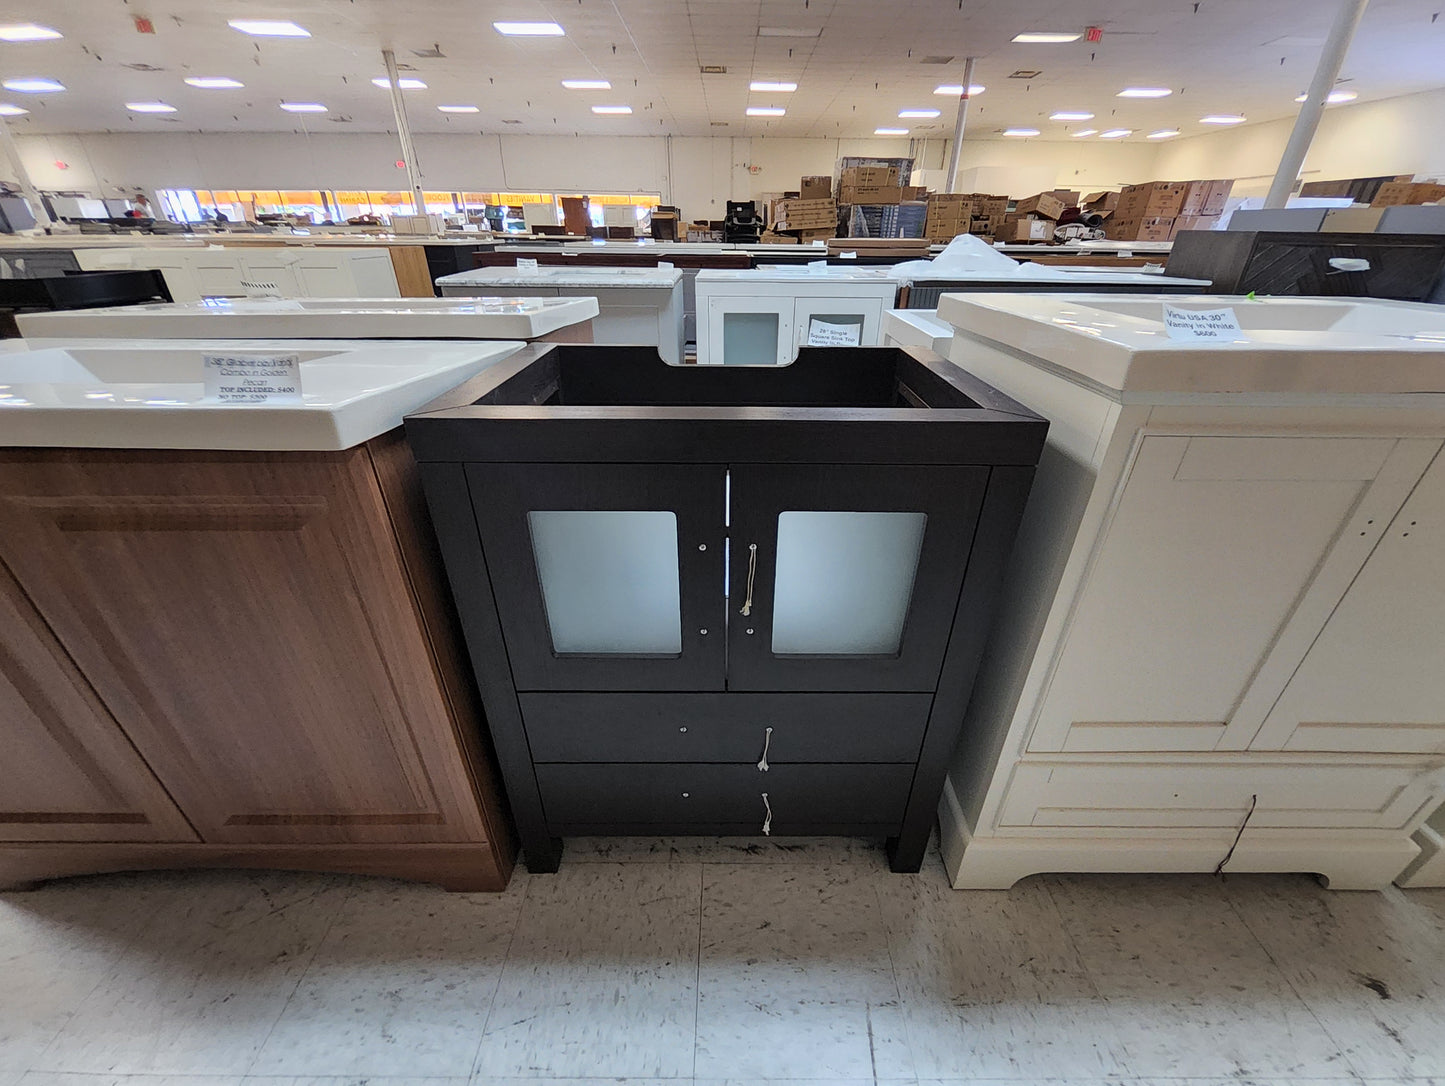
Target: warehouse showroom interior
x,y
722,543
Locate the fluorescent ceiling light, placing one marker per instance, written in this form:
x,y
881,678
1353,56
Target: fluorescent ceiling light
x,y
214,82
149,107
619,110
403,82
529,30
1222,118
28,32
787,32
778,88
766,111
7,110
1084,132
1046,38
1021,132
1144,92
1335,97
586,84
460,109
955,89
1116,133
269,28
1164,134
32,85
890,131
1071,116
303,107
917,114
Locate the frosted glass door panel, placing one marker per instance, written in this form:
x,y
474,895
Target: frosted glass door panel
x,y
844,581
750,339
609,580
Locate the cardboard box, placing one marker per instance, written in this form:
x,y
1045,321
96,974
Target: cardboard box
x,y
1206,197
866,176
1352,220
1139,229
870,194
915,192
816,188
1153,200
1404,193
1032,230
1333,189
1191,222
1069,197
804,215
1045,206
990,206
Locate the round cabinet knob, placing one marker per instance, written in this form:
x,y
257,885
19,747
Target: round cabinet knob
x,y
683,729
686,795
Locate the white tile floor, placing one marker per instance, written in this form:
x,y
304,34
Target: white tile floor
x,y
682,961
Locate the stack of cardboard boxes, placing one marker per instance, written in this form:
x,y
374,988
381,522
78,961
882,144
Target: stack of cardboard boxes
x,y
1036,218
810,215
1159,210
1362,190
953,213
1402,193
886,205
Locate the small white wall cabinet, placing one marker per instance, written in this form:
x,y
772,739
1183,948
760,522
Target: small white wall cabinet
x,y
194,274
763,316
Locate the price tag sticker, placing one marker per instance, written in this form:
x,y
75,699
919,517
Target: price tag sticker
x,y
1203,325
526,263
826,334
261,378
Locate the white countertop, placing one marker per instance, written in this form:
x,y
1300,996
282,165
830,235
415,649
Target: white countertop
x,y
317,318
1315,346
1083,278
791,273
917,328
148,394
563,277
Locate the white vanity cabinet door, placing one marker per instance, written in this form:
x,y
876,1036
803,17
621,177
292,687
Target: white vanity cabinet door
x,y
863,315
749,331
343,273
1213,547
1374,678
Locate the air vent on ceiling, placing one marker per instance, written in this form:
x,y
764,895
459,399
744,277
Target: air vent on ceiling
x,y
714,69
339,118
936,60
434,53
511,122
142,67
719,124
1026,73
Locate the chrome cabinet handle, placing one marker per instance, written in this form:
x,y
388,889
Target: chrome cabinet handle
x,y
767,742
768,820
752,572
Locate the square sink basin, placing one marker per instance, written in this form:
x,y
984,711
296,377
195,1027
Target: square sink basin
x,y
317,318
140,394
1285,345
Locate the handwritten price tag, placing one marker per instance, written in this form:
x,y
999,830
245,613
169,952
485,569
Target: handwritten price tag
x,y
268,379
1203,325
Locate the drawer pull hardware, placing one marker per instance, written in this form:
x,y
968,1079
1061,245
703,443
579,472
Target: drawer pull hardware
x,y
767,742
752,572
768,819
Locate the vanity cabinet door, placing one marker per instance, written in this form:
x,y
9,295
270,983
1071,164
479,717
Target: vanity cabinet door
x,y
846,580
67,772
247,620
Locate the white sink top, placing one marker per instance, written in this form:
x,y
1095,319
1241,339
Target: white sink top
x,y
917,328
554,276
789,272
148,394
1288,345
317,318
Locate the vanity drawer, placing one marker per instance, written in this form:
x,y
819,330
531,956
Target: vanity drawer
x,y
725,727
724,798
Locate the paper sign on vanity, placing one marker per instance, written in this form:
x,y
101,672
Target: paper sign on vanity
x,y
1203,325
824,334
257,378
525,263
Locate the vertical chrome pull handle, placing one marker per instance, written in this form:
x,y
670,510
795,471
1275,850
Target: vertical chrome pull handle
x,y
752,572
767,742
768,820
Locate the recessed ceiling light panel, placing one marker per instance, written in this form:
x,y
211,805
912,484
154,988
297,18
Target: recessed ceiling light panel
x,y
1164,134
1071,116
1045,37
1335,97
1116,133
953,90
460,109
214,82
402,82
1223,118
33,85
1024,133
149,107
28,32
777,88
766,111
303,107
7,110
1145,92
918,114
890,131
586,84
612,110
269,28
1081,133
529,30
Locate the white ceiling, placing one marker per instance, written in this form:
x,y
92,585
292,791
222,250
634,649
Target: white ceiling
x,y
868,62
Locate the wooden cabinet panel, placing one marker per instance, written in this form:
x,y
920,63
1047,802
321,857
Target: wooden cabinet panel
x,y
248,622
67,772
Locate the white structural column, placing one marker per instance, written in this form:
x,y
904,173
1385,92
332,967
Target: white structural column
x,y
12,152
403,132
1347,21
957,151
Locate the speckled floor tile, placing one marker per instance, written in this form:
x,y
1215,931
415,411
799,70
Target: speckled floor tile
x,y
57,944
61,1078
795,979
992,985
1190,990
350,1080
204,981
602,976
401,985
1370,966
